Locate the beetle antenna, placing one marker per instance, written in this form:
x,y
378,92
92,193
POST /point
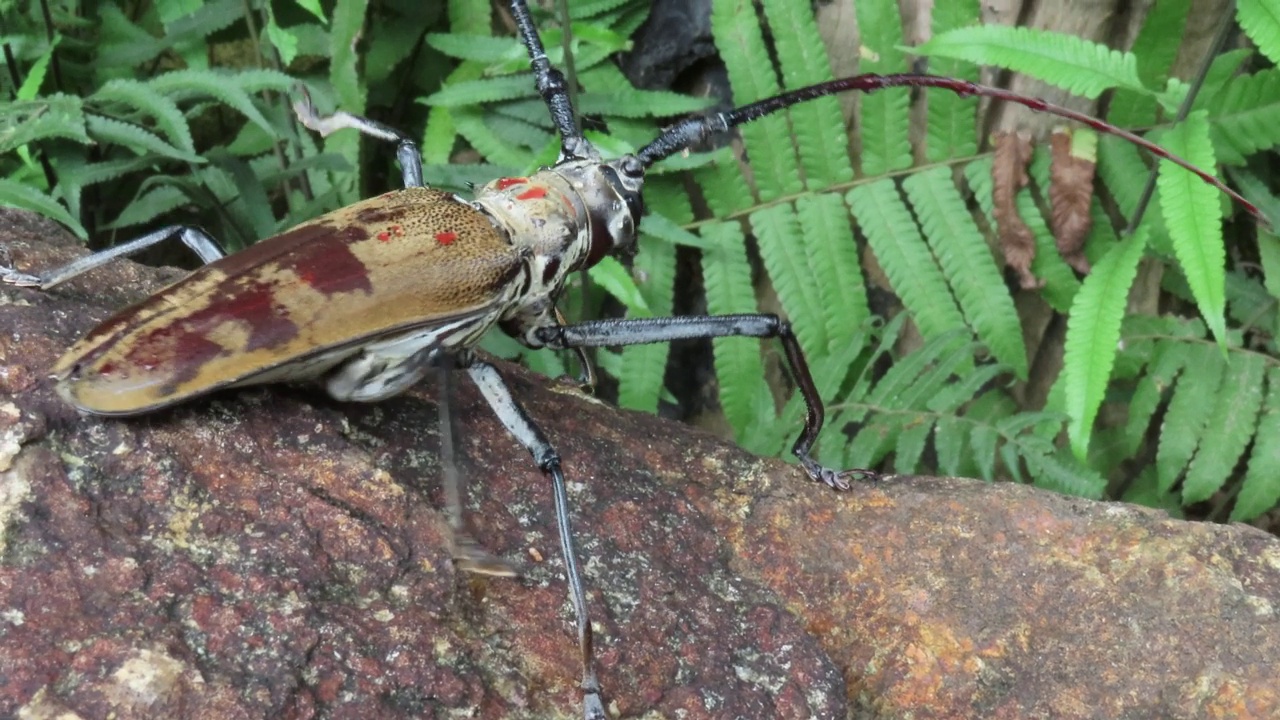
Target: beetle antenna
x,y
693,130
552,87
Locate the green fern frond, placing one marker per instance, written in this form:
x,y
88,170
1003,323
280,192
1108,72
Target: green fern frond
x,y
1261,22
777,229
479,48
951,124
1193,215
1093,334
483,90
982,444
644,366
1230,428
181,85
1186,418
883,119
1072,63
1051,473
53,116
818,126
832,256
950,444
1245,117
966,261
1169,358
726,275
911,442
15,194
1260,490
902,252
169,119
737,32
151,204
108,130
1155,49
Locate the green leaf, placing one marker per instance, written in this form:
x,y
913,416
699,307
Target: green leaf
x,y
616,280
1093,335
782,248
1261,22
739,370
1193,215
56,115
1079,66
1261,488
169,119
182,84
818,126
966,261
1245,117
905,257
1187,416
107,130
883,121
832,256
30,87
1229,430
738,35
473,92
16,194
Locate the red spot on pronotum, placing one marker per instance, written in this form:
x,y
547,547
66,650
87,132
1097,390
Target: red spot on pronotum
x,y
504,183
384,236
446,238
536,193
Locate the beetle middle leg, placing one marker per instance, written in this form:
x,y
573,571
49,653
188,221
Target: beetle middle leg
x,y
406,149
522,428
603,333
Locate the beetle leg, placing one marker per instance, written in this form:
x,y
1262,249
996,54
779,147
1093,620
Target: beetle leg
x,y
602,333
468,554
406,150
522,428
586,369
194,238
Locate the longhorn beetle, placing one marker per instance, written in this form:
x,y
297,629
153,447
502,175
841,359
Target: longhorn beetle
x,y
369,298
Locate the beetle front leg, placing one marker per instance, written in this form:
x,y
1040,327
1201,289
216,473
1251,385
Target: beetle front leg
x,y
604,333
194,238
525,432
406,150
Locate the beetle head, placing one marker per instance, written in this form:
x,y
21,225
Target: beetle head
x,y
614,206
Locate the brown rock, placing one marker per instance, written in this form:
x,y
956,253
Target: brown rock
x,y
271,553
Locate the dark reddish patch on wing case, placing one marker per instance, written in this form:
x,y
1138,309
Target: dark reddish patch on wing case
x,y
324,259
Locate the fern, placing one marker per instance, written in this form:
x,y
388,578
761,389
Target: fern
x,y
1073,64
1260,20
1093,333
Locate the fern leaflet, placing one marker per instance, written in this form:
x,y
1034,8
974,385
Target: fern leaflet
x,y
1072,63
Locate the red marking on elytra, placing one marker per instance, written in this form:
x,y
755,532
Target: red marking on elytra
x,y
536,193
384,236
394,231
504,183
446,238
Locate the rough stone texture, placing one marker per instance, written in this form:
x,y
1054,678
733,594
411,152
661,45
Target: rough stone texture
x,y
271,553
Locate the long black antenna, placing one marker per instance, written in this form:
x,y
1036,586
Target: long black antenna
x,y
552,87
694,130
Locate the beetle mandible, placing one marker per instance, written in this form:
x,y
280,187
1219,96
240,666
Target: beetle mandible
x,y
303,306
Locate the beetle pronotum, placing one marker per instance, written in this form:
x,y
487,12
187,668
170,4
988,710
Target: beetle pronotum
x,y
304,305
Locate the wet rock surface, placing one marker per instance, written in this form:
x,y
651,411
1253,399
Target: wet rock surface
x,y
272,553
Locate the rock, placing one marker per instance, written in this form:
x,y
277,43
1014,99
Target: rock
x,y
272,553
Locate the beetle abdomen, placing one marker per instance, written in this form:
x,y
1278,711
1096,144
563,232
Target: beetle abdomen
x,y
410,258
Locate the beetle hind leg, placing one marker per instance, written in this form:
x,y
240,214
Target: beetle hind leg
x,y
196,239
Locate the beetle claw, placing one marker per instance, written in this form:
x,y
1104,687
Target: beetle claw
x,y
838,479
13,277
